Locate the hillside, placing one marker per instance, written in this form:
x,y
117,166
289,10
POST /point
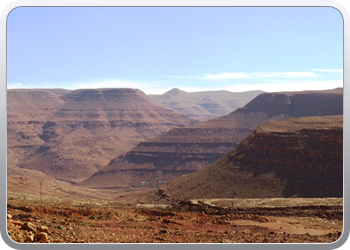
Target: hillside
x,y
296,157
188,149
90,128
27,112
205,105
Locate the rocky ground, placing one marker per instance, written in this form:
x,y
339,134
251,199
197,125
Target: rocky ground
x,y
196,221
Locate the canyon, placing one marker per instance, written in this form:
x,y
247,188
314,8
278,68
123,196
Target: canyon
x,y
185,150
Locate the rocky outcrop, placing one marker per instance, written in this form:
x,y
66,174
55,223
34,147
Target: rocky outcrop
x,y
188,149
296,157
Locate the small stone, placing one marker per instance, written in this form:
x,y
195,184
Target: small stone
x,y
29,220
17,223
9,216
41,237
30,238
29,227
44,229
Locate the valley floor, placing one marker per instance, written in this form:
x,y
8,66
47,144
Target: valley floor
x,y
197,221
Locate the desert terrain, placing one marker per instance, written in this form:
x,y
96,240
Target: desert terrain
x,y
114,166
66,220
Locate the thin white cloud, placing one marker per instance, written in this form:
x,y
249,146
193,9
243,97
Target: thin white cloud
x,y
284,74
242,75
329,70
271,87
287,86
14,85
227,75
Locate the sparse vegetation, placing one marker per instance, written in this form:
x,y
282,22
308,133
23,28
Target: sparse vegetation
x,y
84,224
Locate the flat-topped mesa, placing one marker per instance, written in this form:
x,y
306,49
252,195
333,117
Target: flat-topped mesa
x,y
298,104
295,157
188,149
113,108
96,125
123,97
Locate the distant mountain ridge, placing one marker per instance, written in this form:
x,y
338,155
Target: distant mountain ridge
x,y
191,148
205,105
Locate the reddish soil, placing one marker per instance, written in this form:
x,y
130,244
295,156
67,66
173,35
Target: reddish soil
x,y
185,222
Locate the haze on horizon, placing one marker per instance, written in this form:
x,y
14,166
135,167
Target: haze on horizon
x,y
155,49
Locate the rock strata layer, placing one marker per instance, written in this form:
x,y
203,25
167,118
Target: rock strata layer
x,y
300,157
27,112
185,150
89,128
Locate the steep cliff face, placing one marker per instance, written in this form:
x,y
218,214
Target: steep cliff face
x,y
188,149
95,125
295,157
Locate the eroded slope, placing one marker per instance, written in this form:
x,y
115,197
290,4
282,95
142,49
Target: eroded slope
x,y
295,157
95,125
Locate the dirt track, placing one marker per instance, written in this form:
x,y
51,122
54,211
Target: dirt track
x,y
184,222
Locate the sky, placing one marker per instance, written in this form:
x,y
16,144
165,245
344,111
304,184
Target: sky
x,y
155,49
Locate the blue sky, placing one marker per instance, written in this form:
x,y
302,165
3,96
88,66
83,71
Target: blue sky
x,y
192,48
